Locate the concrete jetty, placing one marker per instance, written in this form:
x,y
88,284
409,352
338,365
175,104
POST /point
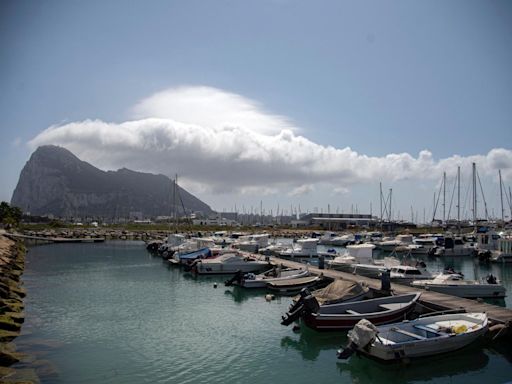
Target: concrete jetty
x,y
431,300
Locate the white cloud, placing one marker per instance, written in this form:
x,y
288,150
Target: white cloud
x,y
302,190
211,108
220,142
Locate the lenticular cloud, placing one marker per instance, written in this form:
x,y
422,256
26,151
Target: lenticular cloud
x,y
219,142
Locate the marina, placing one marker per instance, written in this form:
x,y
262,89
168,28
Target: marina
x,y
133,318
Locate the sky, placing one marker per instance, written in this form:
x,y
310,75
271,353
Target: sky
x,y
288,105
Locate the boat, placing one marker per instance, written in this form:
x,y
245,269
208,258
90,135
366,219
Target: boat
x,y
503,253
337,292
342,316
252,243
406,274
229,263
187,257
425,245
358,260
251,280
455,247
303,248
424,336
453,284
330,238
295,285
398,241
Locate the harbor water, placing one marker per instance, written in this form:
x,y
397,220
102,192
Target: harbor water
x,y
112,313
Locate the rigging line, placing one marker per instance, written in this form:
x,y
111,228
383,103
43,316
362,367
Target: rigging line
x,y
451,200
483,196
437,201
466,198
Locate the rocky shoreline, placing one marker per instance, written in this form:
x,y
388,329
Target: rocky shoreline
x,y
12,293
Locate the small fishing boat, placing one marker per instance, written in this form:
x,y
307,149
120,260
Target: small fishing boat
x,y
339,291
336,317
293,286
251,280
454,284
229,263
418,338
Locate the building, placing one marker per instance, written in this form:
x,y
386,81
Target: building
x,y
338,221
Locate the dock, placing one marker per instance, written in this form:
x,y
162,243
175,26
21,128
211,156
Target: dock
x,y
16,236
430,300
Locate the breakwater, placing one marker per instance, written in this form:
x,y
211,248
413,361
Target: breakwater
x,y
12,293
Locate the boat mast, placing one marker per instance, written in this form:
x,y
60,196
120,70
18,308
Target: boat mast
x,y
444,197
390,194
458,198
474,195
501,198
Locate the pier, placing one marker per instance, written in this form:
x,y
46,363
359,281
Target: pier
x,y
44,239
431,300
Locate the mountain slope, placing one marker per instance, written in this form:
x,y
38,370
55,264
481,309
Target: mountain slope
x,y
54,181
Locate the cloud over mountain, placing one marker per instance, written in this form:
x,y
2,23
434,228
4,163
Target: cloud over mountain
x,y
222,142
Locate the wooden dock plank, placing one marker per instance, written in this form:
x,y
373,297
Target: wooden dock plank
x,y
433,300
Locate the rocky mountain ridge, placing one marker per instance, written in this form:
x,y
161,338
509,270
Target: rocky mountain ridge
x,y
56,182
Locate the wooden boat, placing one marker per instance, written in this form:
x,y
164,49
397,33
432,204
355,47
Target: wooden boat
x,y
293,286
421,337
341,316
250,280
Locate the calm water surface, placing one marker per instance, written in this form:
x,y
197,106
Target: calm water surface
x,y
111,313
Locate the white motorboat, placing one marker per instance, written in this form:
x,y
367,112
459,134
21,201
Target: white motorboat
x,y
455,247
303,248
330,238
453,284
358,259
398,241
503,253
426,244
229,263
251,280
252,243
359,253
424,336
406,274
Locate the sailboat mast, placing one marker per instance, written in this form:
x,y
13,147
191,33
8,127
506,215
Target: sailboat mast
x,y
501,197
458,198
444,197
474,194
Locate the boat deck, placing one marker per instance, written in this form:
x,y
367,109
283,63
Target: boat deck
x,y
430,300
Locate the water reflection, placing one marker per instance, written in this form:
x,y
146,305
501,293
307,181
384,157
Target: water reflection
x,y
239,294
363,370
310,343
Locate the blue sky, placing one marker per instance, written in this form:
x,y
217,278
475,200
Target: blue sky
x,y
335,95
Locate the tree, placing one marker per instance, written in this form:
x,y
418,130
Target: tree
x,y
10,216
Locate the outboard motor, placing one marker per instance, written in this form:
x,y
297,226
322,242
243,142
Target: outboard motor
x,y
360,337
307,304
237,277
190,267
491,279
